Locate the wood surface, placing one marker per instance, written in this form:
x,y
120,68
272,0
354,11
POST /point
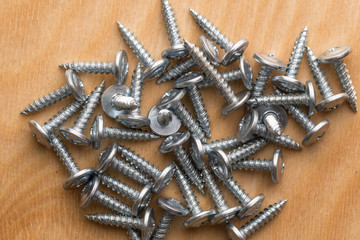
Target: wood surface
x,y
321,182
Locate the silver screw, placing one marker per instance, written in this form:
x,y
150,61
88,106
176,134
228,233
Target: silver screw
x,y
233,101
172,208
107,158
141,199
75,134
274,118
133,234
120,67
174,143
154,69
177,70
288,82
189,81
162,178
163,122
275,166
335,56
199,217
99,132
255,223
171,100
331,101
74,86
247,149
233,51
42,133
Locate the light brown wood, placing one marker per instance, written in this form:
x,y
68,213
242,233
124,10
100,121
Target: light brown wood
x,y
321,182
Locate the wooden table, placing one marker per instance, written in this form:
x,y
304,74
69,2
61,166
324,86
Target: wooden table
x,y
321,182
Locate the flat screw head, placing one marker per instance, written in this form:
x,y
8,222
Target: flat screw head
x,y
172,206
334,54
121,67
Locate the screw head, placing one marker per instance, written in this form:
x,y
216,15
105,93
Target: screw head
x,y
174,141
220,163
171,97
278,166
235,52
241,98
148,225
248,125
188,79
334,54
96,131
107,97
74,137
270,61
106,157
89,191
197,152
246,72
172,206
200,219
288,84
164,179
39,133
132,120
76,85
163,130
331,103
234,233
175,52
312,96
316,133
251,207
79,178
143,200
226,215
156,69
121,67
210,50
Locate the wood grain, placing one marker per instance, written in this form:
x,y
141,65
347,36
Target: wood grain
x,y
321,182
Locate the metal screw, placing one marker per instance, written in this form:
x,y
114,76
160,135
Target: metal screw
x,y
233,51
331,101
99,132
141,199
335,56
247,149
172,208
275,166
171,100
163,122
288,82
162,178
189,81
75,134
255,223
174,143
274,118
120,67
42,133
199,217
107,158
233,101
154,69
74,86
133,234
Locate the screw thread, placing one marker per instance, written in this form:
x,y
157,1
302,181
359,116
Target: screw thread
x,y
116,220
297,54
163,226
136,86
346,83
112,203
300,117
247,149
139,162
64,154
272,124
47,100
253,164
237,191
224,144
129,171
212,31
122,102
127,134
119,187
133,234
90,67
88,109
200,109
136,46
177,70
263,217
214,190
170,22
261,81
284,99
283,140
229,76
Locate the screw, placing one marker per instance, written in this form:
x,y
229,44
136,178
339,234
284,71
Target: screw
x,y
154,69
335,56
288,82
74,134
172,208
233,101
120,67
99,132
133,234
189,81
275,166
171,100
308,99
174,143
163,122
141,199
255,223
268,63
331,101
107,158
199,217
162,178
274,118
247,149
233,51
74,86
42,133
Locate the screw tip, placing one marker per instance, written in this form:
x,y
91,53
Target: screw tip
x,y
194,13
306,28
120,25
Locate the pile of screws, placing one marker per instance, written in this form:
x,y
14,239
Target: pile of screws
x,y
264,122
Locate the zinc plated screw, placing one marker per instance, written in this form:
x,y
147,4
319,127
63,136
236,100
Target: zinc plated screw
x,y
331,101
98,132
133,234
163,122
162,178
189,81
247,149
172,208
74,86
75,134
233,101
154,69
174,143
255,223
199,217
42,133
288,82
335,56
274,118
233,51
120,67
